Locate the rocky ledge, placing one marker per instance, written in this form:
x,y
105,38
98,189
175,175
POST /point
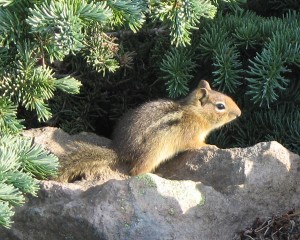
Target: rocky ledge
x,y
206,194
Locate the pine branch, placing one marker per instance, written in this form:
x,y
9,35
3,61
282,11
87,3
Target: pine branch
x,y
127,12
6,214
268,68
98,11
100,51
8,160
68,84
31,157
20,162
9,27
30,85
57,26
229,37
217,45
22,181
212,39
38,162
11,194
267,75
51,30
8,120
248,35
228,71
5,3
183,16
177,67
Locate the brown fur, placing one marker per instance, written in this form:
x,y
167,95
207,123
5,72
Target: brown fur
x,y
158,130
90,162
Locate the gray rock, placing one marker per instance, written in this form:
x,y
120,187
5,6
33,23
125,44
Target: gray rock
x,y
206,194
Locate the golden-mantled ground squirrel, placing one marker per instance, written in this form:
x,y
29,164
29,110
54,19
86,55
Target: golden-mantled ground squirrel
x,y
158,130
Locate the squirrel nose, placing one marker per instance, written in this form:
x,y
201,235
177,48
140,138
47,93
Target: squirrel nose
x,y
238,112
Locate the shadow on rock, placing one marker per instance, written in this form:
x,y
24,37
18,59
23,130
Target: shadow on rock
x,y
223,169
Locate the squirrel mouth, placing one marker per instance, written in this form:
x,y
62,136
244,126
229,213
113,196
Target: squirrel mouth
x,y
236,115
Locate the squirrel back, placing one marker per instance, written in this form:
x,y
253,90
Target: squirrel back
x,y
158,130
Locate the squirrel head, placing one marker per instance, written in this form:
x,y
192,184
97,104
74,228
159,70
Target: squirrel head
x,y
215,107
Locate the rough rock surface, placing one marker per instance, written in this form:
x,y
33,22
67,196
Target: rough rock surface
x,y
206,194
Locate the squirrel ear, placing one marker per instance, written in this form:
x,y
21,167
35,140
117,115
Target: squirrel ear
x,y
204,84
202,96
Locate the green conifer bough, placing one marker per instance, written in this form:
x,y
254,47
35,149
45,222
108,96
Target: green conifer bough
x,y
257,60
253,58
34,35
21,162
229,36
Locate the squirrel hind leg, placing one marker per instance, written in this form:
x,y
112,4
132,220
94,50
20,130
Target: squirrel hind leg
x,y
146,165
140,169
150,160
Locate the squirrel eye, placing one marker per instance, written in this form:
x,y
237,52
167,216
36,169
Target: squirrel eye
x,y
220,106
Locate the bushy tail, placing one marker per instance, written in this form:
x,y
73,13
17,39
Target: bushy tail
x,y
89,162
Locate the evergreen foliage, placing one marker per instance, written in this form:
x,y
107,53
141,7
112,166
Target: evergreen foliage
x,y
34,35
262,74
8,117
244,32
183,16
177,66
21,162
251,57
